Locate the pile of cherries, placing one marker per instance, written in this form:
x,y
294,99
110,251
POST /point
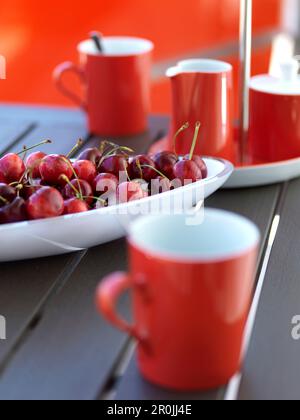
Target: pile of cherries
x,y
39,186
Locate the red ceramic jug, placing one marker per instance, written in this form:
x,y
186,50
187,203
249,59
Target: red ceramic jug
x,y
202,90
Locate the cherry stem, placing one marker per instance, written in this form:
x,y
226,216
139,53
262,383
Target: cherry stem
x,y
30,179
26,149
26,173
181,129
127,174
3,200
97,199
25,154
197,129
12,184
126,150
18,188
102,147
74,174
155,170
115,148
77,192
138,164
105,143
123,149
75,148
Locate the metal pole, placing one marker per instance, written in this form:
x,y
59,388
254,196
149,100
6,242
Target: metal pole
x,y
245,73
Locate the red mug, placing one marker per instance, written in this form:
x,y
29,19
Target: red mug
x,y
117,84
192,288
202,90
274,132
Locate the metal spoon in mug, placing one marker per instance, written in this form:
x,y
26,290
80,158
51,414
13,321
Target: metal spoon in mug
x,y
97,37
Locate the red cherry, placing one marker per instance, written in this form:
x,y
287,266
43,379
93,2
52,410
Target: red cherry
x,y
80,189
93,155
145,194
12,168
85,170
137,169
104,183
53,167
199,162
29,189
165,162
2,178
74,205
160,185
143,184
114,165
7,193
187,170
33,162
45,203
129,191
13,212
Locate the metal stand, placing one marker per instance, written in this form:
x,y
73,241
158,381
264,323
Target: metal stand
x,y
245,74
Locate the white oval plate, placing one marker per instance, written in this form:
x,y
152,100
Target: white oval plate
x,y
264,174
61,235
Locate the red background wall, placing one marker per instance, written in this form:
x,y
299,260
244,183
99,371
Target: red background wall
x,y
35,36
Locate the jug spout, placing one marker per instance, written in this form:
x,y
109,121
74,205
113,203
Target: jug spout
x,y
173,72
198,66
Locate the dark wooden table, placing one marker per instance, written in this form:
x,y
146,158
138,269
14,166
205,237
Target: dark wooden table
x,y
58,347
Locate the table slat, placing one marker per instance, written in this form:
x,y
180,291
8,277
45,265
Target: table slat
x,y
24,287
42,114
158,127
71,352
272,368
11,132
64,137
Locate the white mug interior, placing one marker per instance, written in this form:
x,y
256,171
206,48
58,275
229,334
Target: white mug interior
x,y
221,236
199,66
117,46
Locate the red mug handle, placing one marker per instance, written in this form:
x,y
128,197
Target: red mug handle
x,y
108,293
58,74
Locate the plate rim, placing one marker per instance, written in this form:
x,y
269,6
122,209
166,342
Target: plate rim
x,y
274,164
